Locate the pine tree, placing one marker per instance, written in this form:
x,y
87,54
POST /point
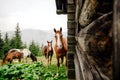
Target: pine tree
x,y
34,48
6,44
18,42
1,47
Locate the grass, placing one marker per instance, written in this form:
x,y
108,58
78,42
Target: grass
x,y
50,71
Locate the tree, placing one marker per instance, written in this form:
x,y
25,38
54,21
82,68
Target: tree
x,y
1,47
6,44
17,39
34,48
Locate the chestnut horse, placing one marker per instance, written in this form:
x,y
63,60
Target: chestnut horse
x,y
60,48
48,52
12,54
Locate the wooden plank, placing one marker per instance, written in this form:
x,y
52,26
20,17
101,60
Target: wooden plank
x,y
78,71
87,75
71,24
71,40
116,28
71,16
71,8
70,2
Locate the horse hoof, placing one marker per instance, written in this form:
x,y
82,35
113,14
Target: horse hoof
x,y
61,65
57,74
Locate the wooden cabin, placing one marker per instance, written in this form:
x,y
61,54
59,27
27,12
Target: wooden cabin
x,y
93,38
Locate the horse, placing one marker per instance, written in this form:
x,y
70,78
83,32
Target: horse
x,y
12,54
48,52
60,48
27,53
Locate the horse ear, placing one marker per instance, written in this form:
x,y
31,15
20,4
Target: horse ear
x,y
51,41
47,41
54,30
60,29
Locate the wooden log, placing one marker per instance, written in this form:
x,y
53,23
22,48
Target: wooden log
x,y
91,28
87,71
86,35
78,71
78,4
116,23
87,12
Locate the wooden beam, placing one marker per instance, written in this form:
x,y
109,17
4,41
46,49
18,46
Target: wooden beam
x,y
116,34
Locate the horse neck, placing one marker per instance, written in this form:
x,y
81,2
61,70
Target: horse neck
x,y
4,59
64,42
32,56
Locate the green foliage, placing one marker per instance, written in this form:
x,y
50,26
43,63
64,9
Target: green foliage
x,y
18,42
35,71
1,47
6,44
34,48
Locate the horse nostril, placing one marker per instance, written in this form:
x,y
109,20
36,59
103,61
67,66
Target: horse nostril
x,y
60,45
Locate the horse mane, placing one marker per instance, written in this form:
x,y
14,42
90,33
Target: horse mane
x,y
12,51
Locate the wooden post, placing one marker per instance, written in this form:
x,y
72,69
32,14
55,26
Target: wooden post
x,y
71,39
116,34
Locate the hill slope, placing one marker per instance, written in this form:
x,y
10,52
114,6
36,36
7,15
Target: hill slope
x,y
39,36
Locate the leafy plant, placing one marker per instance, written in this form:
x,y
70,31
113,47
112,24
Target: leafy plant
x,y
34,71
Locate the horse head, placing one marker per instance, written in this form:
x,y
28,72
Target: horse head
x,y
49,45
59,38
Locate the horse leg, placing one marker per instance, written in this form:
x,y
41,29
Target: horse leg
x,y
66,63
58,65
62,59
11,61
26,59
47,58
19,59
50,59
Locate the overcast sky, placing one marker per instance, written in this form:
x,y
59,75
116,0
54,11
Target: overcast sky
x,y
31,14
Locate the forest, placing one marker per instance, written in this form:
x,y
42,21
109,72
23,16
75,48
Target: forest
x,y
7,43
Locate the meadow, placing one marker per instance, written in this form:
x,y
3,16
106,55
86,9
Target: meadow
x,y
32,71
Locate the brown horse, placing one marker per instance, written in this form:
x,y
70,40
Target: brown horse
x,y
60,48
48,52
12,54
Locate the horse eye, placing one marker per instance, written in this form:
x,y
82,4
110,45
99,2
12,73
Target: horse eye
x,y
55,36
61,35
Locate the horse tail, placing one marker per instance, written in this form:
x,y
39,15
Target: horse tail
x,y
33,57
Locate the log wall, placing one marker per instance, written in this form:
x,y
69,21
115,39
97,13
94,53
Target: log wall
x,y
90,39
90,48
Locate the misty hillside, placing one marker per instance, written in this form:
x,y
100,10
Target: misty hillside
x,y
39,36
